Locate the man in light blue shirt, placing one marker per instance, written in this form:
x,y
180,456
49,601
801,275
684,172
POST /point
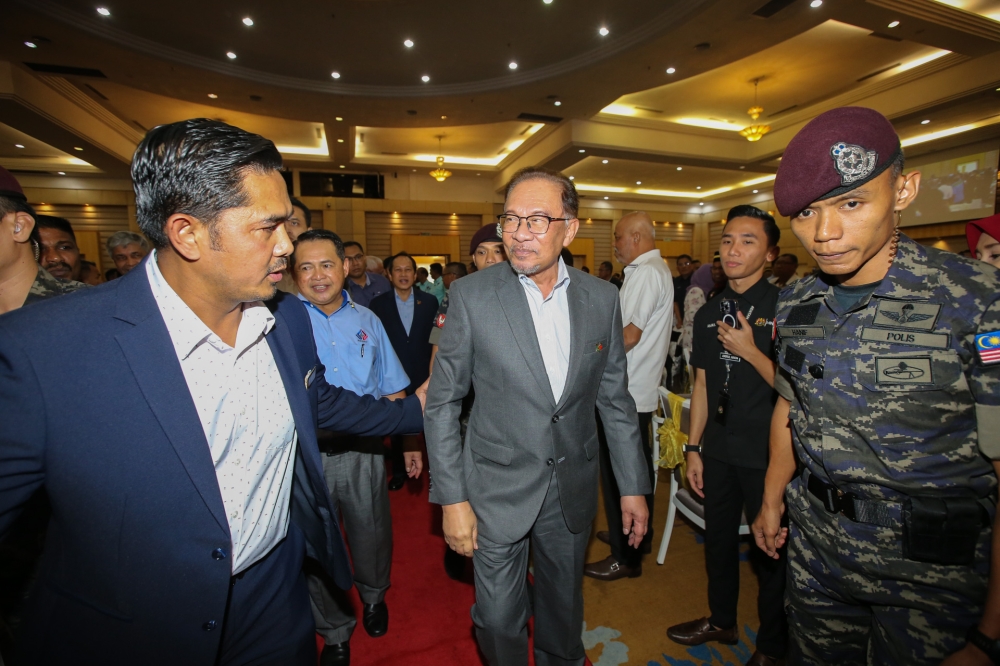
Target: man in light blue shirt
x,y
353,346
435,286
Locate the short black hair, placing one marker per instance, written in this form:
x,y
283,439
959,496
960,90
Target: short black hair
x,y
356,244
305,211
771,229
53,222
570,198
608,265
388,262
685,256
436,267
421,268
317,235
195,167
458,267
790,256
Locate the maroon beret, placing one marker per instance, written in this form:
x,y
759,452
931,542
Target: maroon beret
x,y
834,153
987,225
9,187
486,234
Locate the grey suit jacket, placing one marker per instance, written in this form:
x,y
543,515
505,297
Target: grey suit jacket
x,y
517,432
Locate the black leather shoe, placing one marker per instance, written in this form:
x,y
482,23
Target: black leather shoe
x,y
701,631
376,619
454,564
397,482
338,654
611,569
761,659
603,537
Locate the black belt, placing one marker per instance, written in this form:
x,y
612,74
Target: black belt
x,y
333,444
873,512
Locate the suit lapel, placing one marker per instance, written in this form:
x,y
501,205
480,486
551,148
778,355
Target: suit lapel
x,y
150,354
578,299
515,307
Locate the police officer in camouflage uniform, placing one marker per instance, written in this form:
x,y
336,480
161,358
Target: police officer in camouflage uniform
x,y
891,397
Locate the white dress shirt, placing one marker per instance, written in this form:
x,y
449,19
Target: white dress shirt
x,y
647,298
551,318
244,411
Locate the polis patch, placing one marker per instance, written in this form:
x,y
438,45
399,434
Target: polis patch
x,y
915,338
901,314
895,370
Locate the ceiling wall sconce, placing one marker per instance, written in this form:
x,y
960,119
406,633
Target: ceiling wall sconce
x,y
440,174
753,131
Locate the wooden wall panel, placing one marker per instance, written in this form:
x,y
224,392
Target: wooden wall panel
x,y
600,232
380,227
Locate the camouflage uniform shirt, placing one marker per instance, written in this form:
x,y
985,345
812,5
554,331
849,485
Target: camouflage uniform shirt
x,y
890,398
45,286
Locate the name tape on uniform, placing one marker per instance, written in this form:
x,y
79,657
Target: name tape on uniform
x,y
900,314
802,331
988,347
897,370
934,340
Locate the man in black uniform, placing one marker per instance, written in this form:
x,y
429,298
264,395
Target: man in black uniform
x,y
733,396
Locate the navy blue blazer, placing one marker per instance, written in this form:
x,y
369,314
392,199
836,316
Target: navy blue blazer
x,y
413,350
96,410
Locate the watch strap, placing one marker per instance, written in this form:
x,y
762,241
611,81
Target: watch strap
x,y
692,448
989,646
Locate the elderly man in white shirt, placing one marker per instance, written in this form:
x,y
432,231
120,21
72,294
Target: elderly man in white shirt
x,y
647,300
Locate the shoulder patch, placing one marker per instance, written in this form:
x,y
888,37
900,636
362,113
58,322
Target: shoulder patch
x,y
921,316
802,315
794,358
988,347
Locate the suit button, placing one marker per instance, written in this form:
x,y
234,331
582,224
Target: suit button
x,y
816,371
218,554
555,419
209,626
550,462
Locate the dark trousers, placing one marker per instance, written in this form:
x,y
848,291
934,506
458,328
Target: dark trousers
x,y
502,607
620,550
729,491
268,619
396,457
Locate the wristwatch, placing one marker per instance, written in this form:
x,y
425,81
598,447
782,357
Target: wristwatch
x,y
692,448
990,646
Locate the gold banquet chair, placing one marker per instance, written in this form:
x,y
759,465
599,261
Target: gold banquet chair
x,y
672,435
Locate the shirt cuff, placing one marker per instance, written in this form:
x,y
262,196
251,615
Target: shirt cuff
x,y
988,425
783,385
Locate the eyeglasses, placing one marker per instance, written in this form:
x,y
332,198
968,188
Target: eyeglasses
x,y
537,224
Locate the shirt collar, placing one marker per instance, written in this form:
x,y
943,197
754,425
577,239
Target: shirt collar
x,y
187,330
345,302
561,278
645,258
400,300
751,295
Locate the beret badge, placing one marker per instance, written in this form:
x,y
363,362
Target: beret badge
x,y
852,162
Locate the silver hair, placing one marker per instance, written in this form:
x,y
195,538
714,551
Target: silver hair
x,y
120,238
373,262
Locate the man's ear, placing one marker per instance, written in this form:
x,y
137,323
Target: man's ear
x,y
187,235
772,254
572,226
23,225
907,191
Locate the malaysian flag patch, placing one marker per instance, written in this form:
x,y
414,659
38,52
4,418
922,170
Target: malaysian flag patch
x,y
988,347
362,336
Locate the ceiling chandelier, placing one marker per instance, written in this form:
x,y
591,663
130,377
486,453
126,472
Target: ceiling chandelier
x,y
753,131
440,174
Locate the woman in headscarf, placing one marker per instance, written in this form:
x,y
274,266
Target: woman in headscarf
x,y
984,239
701,286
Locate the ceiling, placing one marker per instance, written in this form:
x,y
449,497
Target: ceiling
x,y
667,86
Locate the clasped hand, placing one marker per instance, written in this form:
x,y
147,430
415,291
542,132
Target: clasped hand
x,y
737,341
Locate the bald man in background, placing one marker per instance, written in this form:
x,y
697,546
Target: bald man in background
x,y
647,301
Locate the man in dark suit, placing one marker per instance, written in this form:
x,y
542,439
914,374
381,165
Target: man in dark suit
x,y
543,345
408,317
183,502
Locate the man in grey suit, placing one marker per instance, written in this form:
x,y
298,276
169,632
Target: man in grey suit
x,y
542,344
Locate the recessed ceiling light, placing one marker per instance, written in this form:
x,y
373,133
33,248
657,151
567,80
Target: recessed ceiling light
x,y
548,2
335,75
31,45
603,32
894,24
340,141
816,3
339,119
670,70
213,96
247,21
605,198
77,148
755,191
513,65
743,167
557,103
104,11
582,150
408,43
18,145
425,78
698,188
61,173
925,122
638,182
572,177
604,161
680,168
230,55
701,203
444,117
341,166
